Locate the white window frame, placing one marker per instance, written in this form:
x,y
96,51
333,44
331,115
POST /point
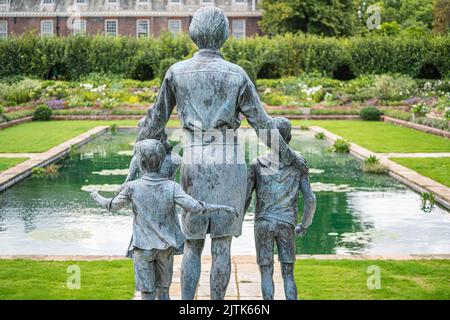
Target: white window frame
x,y
47,2
80,2
143,2
148,28
49,33
176,2
240,2
76,30
205,3
244,31
5,3
106,27
112,2
175,20
4,34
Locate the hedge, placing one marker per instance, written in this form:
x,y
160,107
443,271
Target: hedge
x,y
70,58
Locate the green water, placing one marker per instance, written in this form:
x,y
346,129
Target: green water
x,y
356,212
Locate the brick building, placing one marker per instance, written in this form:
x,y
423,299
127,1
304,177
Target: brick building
x,y
141,18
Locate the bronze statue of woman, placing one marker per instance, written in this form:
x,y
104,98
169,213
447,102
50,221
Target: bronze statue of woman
x,y
210,95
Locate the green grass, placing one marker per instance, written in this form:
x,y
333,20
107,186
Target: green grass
x,y
347,279
435,168
316,279
6,163
382,137
41,136
46,280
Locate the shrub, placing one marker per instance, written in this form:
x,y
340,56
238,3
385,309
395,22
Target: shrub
x,y
249,68
341,146
398,114
164,66
42,113
320,135
370,114
372,165
397,87
441,124
1,110
420,109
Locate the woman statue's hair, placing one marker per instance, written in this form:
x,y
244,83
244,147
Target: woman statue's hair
x,y
209,28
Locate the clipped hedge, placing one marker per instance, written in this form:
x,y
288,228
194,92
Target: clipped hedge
x,y
73,57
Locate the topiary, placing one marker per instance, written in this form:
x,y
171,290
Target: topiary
x,y
370,114
249,68
42,113
164,65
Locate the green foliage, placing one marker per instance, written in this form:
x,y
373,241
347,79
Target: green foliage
x,y
73,58
441,124
249,69
372,165
333,18
164,66
320,135
428,201
441,13
398,114
370,114
420,109
397,87
341,146
50,171
42,113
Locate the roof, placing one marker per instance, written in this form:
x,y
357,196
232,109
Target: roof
x,y
96,8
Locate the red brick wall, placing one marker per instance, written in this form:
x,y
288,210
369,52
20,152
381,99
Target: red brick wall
x,y
127,25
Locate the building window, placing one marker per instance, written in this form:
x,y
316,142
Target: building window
x,y
46,28
112,1
4,2
80,1
48,1
240,1
3,29
142,28
238,29
175,1
143,1
79,26
111,27
175,26
207,2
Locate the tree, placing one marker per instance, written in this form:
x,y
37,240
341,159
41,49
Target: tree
x,y
325,17
441,13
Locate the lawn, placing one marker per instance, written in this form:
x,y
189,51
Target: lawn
x,y
6,163
347,279
435,168
47,280
41,136
317,279
383,137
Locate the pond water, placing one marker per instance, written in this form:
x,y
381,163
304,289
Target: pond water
x,y
356,212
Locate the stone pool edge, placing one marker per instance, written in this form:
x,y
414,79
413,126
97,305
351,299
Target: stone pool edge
x,y
404,175
13,175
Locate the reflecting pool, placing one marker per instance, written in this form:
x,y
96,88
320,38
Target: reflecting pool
x,y
356,212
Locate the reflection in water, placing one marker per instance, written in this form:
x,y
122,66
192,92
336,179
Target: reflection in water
x,y
356,212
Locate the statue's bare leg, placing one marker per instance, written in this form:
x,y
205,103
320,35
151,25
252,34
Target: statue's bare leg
x,y
267,286
290,288
147,295
221,267
191,267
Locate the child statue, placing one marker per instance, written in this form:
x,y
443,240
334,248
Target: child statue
x,y
276,213
157,235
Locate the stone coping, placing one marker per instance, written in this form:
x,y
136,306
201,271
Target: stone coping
x,y
420,127
23,170
403,174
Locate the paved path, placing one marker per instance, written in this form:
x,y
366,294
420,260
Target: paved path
x,y
403,174
21,171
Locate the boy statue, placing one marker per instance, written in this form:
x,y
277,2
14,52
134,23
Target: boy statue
x,y
276,213
157,234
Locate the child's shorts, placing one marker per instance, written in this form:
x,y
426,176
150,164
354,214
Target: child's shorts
x,y
267,232
152,268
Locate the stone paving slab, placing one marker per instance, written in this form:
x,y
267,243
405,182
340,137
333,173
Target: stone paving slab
x,y
416,155
411,178
21,171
